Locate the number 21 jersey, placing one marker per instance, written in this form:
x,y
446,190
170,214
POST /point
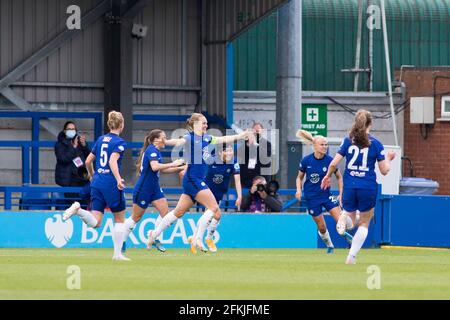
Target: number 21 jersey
x,y
360,166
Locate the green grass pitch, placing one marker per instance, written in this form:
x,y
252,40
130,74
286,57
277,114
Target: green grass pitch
x,y
228,274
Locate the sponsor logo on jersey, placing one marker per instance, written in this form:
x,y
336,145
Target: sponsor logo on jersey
x,y
121,148
106,139
314,178
153,154
357,174
218,178
101,171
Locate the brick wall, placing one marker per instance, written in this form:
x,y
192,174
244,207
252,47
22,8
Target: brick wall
x,y
430,156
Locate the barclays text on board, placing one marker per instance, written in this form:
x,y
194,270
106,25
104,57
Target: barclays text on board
x,y
47,230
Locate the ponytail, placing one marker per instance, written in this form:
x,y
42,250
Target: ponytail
x,y
305,136
358,132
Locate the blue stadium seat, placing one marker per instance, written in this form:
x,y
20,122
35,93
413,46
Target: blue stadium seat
x,y
35,201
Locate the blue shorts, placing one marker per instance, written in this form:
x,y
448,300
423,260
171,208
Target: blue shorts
x,y
192,186
218,196
359,199
315,206
143,199
112,198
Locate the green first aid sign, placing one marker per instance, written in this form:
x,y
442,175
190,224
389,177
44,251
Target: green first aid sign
x,y
314,119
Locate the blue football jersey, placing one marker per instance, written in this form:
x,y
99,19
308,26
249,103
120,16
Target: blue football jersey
x,y
103,148
197,154
315,170
148,178
360,166
219,174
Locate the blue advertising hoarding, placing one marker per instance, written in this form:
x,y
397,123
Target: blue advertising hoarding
x,y
47,230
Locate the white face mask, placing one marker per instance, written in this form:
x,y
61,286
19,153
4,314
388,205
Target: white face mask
x,y
70,134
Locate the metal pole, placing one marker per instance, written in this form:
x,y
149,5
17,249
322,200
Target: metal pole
x,y
388,69
358,44
370,56
184,44
289,82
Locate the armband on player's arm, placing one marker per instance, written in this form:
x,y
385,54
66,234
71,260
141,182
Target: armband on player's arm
x,y
214,140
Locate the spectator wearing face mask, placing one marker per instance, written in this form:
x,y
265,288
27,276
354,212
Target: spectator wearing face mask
x,y
71,151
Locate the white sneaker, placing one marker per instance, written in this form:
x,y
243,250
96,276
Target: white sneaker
x,y
73,209
341,224
121,258
150,238
350,260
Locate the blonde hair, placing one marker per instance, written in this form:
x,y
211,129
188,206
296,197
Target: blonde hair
x,y
193,119
149,138
358,133
115,120
307,137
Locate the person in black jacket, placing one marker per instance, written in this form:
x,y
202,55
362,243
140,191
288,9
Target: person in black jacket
x,y
255,157
262,197
71,151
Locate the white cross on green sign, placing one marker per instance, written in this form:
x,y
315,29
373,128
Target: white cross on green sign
x,y
314,119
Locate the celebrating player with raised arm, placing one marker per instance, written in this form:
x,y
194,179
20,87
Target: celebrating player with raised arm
x,y
198,156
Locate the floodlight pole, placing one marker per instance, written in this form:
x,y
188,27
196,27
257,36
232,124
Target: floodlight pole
x,y
388,69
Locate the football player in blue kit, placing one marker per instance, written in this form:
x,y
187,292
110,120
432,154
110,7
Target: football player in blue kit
x,y
106,183
197,153
362,151
314,166
218,180
147,189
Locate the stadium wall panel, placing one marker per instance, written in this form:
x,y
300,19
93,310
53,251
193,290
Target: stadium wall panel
x,y
47,230
416,221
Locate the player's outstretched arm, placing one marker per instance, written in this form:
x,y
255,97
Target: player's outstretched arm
x,y
232,138
326,181
175,142
164,167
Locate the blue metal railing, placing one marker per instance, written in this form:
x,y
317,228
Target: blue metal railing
x,y
48,197
35,144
